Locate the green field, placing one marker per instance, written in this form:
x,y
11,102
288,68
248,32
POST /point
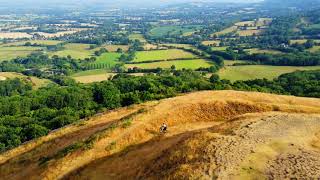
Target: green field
x,y
314,26
263,51
78,51
180,64
82,51
226,31
137,37
108,59
173,30
222,48
90,72
9,53
302,41
232,62
162,55
41,42
314,49
248,72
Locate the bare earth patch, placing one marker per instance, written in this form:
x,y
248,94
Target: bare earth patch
x,y
212,134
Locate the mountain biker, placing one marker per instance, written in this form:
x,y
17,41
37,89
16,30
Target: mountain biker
x,y
163,128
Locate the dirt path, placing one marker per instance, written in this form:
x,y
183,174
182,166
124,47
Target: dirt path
x,y
210,133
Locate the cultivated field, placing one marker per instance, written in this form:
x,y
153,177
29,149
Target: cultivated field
x,y
14,35
179,64
41,42
96,75
142,56
249,32
248,72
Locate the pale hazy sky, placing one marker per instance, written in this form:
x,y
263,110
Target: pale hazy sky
x,y
115,3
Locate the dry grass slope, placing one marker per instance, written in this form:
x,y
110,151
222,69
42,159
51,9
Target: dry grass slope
x,y
223,134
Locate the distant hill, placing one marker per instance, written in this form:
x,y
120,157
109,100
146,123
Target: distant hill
x,y
293,3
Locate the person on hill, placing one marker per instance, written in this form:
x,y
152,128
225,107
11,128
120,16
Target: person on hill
x,y
163,128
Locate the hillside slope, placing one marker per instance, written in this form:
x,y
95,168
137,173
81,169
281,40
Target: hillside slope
x,y
223,134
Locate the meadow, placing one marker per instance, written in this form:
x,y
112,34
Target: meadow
x,y
82,51
142,56
226,31
173,30
75,50
302,41
211,43
249,72
9,53
96,75
314,49
108,60
263,51
179,64
137,37
249,32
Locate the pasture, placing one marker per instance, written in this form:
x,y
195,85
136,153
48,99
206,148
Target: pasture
x,y
9,53
14,35
106,60
249,32
314,49
82,51
249,72
173,30
96,75
179,64
228,30
169,54
114,48
137,37
75,50
41,42
92,76
221,48
211,43
232,62
302,41
263,51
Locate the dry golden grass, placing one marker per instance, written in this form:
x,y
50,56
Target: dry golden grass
x,y
14,35
36,82
249,32
125,152
226,31
211,43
